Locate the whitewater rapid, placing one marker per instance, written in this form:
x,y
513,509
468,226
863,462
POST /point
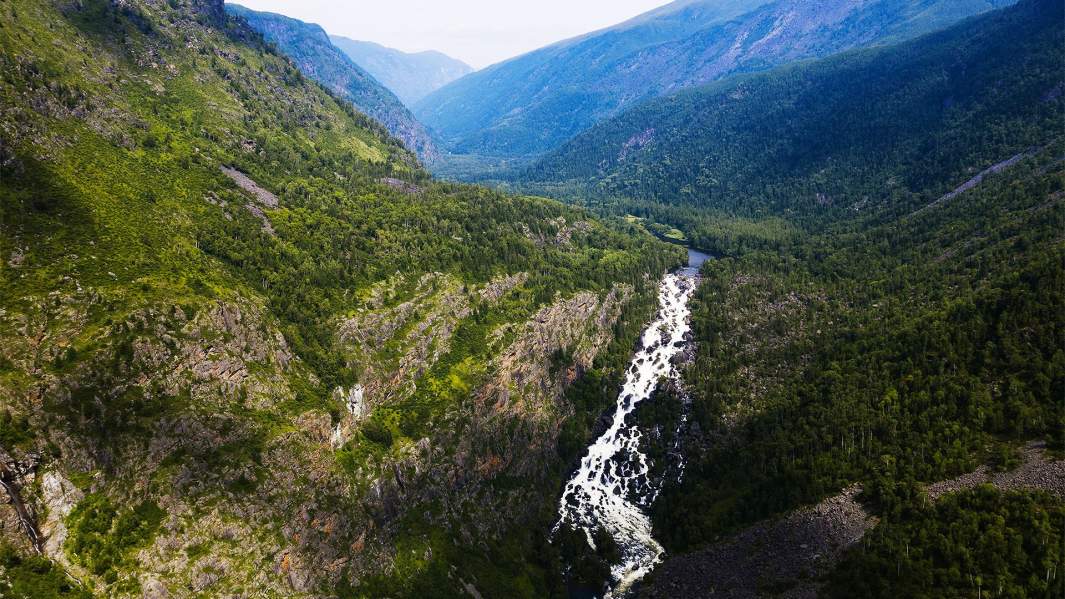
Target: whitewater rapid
x,y
612,488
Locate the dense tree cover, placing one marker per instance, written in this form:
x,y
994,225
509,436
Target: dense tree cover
x,y
112,188
975,543
33,577
865,324
472,232
890,355
102,535
890,342
339,227
854,134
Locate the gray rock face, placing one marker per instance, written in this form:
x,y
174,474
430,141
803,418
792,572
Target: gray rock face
x,y
352,399
420,327
225,359
790,553
500,286
153,589
795,551
525,386
1037,471
59,496
213,9
264,197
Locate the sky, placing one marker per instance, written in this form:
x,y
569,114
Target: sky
x,y
478,32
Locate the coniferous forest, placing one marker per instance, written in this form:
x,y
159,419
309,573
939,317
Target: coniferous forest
x,y
255,343
887,303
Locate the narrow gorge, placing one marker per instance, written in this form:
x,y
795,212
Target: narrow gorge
x,y
613,487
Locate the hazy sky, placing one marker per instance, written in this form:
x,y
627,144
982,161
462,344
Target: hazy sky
x,y
479,32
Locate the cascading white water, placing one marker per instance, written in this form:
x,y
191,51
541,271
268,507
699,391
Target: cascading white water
x,y
612,487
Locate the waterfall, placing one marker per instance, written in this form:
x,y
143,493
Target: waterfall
x,y
613,488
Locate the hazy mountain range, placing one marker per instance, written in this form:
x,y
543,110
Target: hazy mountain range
x,y
411,76
534,102
757,138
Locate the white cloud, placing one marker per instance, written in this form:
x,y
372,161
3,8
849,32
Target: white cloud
x,y
480,32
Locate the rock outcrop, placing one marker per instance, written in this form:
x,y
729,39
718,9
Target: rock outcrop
x,y
787,557
579,325
21,518
1037,471
59,497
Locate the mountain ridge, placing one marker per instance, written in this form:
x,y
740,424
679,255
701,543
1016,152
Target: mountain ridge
x,y
309,46
247,343
410,75
249,346
558,91
698,146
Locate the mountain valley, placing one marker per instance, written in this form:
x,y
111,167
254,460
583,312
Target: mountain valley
x,y
411,76
531,104
744,298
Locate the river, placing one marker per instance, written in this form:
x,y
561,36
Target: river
x,y
613,488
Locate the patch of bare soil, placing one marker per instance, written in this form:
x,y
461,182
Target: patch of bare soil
x,y
787,557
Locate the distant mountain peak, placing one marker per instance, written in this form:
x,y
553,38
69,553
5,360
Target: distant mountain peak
x,y
409,75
